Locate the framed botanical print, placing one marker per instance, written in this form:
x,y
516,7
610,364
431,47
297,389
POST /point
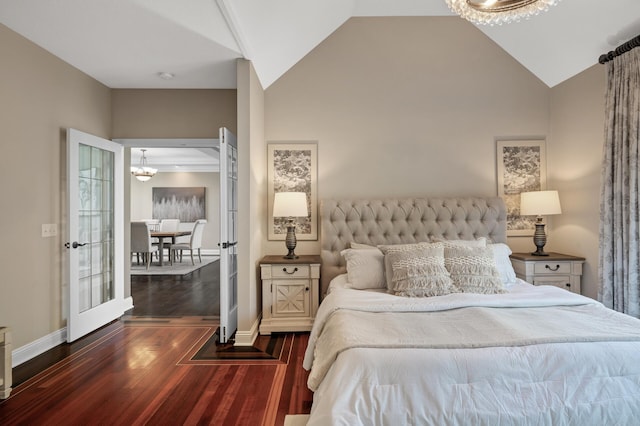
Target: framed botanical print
x,y
292,167
522,167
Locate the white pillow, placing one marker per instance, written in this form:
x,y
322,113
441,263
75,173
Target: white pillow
x,y
365,268
501,254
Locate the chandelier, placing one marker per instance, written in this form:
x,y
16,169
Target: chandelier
x,y
498,12
144,172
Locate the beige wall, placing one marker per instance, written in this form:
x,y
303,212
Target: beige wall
x,y
41,96
141,205
406,107
252,199
150,113
574,157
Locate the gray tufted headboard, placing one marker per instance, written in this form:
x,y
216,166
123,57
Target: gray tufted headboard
x,y
407,220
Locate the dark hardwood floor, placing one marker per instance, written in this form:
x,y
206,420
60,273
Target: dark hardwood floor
x,y
145,368
194,294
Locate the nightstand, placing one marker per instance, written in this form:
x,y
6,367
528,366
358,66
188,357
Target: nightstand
x,y
290,293
560,270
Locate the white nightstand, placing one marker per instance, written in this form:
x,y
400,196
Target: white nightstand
x,y
560,270
290,290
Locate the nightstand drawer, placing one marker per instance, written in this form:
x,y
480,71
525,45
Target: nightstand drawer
x,y
290,271
542,268
554,280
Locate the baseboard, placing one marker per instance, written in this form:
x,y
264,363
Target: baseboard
x,y
246,338
35,348
210,252
43,344
128,304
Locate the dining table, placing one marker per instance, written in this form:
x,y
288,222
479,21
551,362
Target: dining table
x,y
161,235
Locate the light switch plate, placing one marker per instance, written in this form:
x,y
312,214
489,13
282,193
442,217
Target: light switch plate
x,y
49,230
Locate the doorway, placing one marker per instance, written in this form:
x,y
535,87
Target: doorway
x,y
181,164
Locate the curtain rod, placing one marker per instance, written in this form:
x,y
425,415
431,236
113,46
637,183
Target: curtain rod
x,y
623,48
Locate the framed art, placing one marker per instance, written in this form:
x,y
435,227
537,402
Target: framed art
x,y
292,167
186,204
521,168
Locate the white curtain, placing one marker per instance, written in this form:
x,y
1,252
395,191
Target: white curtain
x,y
619,271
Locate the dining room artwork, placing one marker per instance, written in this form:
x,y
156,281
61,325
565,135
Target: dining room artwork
x,y
184,203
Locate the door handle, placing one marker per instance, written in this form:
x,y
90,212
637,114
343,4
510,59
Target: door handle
x,y
228,244
75,244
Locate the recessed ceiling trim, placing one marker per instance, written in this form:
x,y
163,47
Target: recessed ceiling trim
x,y
169,143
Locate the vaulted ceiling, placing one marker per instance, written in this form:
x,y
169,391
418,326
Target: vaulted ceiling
x,y
129,43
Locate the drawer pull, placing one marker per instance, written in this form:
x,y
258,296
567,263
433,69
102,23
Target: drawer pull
x,y
552,269
290,273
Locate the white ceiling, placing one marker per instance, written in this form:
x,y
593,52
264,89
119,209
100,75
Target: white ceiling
x,y
178,159
126,43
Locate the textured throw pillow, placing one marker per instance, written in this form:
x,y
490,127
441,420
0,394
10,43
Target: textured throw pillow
x,y
501,254
473,269
385,249
418,270
365,268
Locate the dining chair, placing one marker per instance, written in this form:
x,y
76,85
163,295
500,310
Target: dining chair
x,y
141,242
168,225
195,242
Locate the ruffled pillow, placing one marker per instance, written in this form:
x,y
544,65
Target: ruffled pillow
x,y
417,270
473,269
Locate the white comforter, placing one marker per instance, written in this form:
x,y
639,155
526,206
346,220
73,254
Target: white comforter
x,y
581,383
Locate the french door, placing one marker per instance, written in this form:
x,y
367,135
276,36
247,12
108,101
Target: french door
x,y
95,247
228,235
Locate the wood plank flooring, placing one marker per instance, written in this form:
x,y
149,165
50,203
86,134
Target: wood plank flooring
x,y
194,294
142,370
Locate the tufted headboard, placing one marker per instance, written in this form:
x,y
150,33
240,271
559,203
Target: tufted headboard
x,y
406,220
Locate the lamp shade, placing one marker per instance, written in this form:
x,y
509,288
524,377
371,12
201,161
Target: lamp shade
x,y
539,203
290,204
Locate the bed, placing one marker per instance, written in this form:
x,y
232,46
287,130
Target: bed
x,y
397,342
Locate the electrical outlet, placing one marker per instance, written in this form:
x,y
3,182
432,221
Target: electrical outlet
x,y
49,230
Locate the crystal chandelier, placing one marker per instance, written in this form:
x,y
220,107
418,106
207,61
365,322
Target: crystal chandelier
x,y
144,172
498,12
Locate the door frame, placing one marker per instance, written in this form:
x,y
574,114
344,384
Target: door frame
x,y
152,143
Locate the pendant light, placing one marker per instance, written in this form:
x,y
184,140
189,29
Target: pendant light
x,y
144,172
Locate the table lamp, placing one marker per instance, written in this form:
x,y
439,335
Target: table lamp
x,y
539,203
290,205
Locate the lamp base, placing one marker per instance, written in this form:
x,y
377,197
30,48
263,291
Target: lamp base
x,y
539,239
291,240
